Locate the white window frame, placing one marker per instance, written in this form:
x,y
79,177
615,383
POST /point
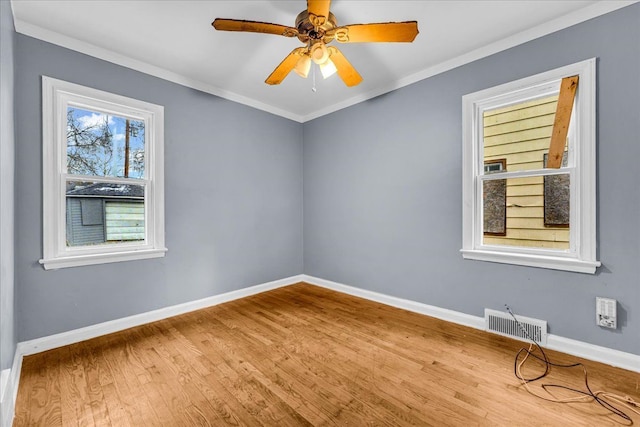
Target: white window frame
x,y
581,255
57,95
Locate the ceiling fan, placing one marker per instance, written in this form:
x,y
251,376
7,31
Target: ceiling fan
x,y
316,27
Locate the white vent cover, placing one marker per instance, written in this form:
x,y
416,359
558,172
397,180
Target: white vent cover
x,y
503,324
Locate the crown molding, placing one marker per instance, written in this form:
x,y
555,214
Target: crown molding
x,y
108,55
600,8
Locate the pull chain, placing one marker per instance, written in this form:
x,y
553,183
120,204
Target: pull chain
x,y
313,76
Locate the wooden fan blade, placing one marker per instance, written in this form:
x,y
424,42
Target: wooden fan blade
x,y
379,32
320,9
285,67
253,27
346,71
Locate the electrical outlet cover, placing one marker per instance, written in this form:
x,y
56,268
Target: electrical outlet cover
x,y
606,312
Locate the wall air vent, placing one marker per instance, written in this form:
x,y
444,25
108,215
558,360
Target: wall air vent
x,y
503,324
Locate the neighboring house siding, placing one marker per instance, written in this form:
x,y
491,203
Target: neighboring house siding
x,y
124,220
521,134
79,233
95,220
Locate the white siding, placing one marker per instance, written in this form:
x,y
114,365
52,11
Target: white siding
x,y
125,220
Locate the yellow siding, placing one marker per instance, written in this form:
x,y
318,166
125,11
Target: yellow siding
x,y
519,126
492,240
525,190
517,147
524,201
521,134
523,105
550,235
524,212
525,110
522,222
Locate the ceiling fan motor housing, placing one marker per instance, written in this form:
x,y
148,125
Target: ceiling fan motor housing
x,y
311,27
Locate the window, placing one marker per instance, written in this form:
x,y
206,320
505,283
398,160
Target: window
x,y
103,185
520,207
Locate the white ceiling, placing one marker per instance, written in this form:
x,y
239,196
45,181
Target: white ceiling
x,y
175,40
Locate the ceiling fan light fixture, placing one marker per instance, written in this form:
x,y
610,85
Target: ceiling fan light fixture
x,y
303,66
328,68
319,53
315,27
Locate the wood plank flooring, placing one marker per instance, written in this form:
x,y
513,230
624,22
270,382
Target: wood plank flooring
x,y
297,356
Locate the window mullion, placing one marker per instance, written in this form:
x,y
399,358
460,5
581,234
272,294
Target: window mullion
x,y
525,174
106,179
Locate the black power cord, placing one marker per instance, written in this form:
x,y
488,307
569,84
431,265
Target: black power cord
x,y
547,364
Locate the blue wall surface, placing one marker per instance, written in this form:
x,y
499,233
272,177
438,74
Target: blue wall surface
x,y
383,195
233,200
379,203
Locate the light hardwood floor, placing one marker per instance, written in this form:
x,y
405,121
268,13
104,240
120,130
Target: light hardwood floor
x,y
295,356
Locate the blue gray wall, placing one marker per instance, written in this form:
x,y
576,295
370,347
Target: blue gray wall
x,y
7,182
233,194
383,191
382,194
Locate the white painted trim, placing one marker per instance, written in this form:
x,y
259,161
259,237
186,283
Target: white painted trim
x,y
585,350
57,95
4,379
581,256
598,9
4,406
70,337
10,394
39,345
531,260
144,67
405,304
581,15
605,355
7,222
609,356
91,259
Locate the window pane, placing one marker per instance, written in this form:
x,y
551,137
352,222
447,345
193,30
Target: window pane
x,y
100,144
494,195
537,212
99,213
520,133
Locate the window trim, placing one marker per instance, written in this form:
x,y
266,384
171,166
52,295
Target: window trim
x,y
56,96
581,257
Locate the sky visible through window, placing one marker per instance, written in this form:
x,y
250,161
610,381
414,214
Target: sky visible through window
x,y
97,144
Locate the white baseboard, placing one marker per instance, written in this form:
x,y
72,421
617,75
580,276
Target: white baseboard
x,y
10,391
577,348
4,405
582,349
70,337
4,380
405,304
609,356
38,345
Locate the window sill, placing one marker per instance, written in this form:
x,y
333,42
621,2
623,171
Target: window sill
x,y
541,261
103,258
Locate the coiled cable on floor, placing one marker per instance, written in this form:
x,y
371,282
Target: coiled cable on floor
x,y
603,398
